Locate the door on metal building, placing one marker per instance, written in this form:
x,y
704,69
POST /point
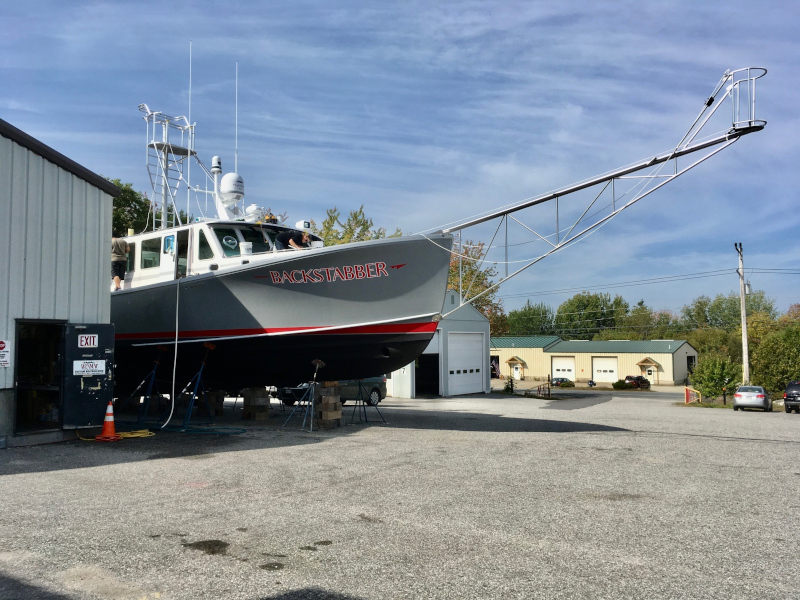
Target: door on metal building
x,y
604,369
88,375
465,363
39,364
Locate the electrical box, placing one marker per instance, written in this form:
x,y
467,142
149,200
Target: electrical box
x,y
88,383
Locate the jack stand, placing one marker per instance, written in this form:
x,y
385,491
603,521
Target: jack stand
x,y
307,399
152,389
361,406
200,387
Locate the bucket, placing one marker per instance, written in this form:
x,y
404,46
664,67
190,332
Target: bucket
x,y
247,248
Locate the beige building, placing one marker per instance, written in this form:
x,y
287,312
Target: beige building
x,y
663,362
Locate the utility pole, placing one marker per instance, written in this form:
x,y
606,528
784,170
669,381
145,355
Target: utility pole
x,y
745,352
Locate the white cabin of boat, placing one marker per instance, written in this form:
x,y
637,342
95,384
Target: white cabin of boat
x,y
197,248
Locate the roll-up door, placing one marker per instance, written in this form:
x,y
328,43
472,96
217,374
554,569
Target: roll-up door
x,y
564,366
465,368
604,368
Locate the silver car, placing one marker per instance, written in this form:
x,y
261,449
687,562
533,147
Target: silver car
x,y
752,396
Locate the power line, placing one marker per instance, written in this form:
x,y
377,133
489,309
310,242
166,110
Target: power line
x,y
655,280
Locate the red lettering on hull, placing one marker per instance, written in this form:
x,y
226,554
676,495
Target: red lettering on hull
x,y
329,274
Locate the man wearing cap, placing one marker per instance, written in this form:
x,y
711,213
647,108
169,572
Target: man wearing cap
x,y
291,239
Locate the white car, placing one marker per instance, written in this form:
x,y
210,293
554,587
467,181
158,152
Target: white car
x,y
752,396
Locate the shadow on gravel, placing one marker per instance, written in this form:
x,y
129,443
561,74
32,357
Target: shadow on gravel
x,y
471,421
13,589
310,594
77,454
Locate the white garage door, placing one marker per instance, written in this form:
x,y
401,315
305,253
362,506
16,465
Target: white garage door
x,y
564,366
605,369
465,368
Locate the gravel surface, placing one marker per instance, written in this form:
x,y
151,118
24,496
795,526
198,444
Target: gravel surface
x,y
593,495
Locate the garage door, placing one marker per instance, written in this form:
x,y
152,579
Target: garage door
x,y
605,369
465,368
564,366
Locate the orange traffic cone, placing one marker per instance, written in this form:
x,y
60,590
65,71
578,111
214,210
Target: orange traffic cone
x,y
108,434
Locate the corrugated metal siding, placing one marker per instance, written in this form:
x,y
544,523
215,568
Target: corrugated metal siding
x,y
618,346
524,341
539,363
55,240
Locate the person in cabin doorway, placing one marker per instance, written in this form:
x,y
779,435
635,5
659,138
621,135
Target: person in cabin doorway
x,y
119,259
291,239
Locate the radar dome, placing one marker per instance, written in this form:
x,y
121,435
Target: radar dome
x,y
231,188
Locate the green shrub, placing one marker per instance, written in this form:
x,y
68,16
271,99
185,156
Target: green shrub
x,y
567,384
621,384
713,372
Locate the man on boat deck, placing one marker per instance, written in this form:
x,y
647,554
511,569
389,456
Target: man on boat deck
x,y
292,239
119,259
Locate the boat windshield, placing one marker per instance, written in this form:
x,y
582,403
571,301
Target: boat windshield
x,y
231,236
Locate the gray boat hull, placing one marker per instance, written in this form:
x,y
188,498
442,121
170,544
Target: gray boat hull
x,y
364,309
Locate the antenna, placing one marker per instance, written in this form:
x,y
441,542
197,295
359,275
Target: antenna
x,y
190,143
236,149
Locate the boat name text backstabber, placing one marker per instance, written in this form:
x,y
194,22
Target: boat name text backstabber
x,y
330,274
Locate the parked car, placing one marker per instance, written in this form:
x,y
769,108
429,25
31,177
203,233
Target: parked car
x,y
791,397
557,381
637,381
374,389
752,396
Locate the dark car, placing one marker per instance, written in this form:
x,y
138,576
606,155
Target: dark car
x,y
791,397
558,381
637,381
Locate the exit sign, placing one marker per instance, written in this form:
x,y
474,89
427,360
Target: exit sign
x,y
87,341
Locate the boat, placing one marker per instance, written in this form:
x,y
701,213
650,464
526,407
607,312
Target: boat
x,y
362,308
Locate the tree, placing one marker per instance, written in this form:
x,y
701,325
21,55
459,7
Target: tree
x,y
792,315
712,339
724,311
357,228
713,372
585,315
531,319
776,361
130,209
469,279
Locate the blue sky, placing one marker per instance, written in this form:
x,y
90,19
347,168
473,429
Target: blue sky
x,y
427,112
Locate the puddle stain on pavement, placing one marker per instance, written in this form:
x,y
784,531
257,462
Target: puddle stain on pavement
x,y
209,546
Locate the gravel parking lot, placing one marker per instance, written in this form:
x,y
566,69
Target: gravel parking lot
x,y
593,495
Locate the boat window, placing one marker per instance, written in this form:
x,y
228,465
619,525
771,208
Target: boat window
x,y
169,244
131,257
151,253
204,250
254,235
228,240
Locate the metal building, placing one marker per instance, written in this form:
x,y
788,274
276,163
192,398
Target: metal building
x,y
55,239
663,362
456,360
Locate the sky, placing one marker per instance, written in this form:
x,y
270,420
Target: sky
x,y
430,112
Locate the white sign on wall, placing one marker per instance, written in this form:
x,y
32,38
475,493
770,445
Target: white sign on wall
x,y
87,368
5,353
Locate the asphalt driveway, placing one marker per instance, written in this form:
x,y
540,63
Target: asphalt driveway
x,y
489,496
